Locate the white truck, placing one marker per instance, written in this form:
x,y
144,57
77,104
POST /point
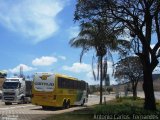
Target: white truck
x,y
16,90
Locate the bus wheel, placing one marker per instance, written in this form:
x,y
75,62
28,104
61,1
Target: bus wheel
x,y
64,104
83,102
68,104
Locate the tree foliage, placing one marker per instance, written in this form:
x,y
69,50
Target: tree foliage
x,y
96,35
3,74
130,68
140,19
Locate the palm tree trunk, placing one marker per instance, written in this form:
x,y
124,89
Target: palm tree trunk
x,y
101,67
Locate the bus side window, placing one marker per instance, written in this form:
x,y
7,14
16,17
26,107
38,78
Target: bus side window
x,y
79,85
70,84
74,85
63,83
59,82
66,83
84,85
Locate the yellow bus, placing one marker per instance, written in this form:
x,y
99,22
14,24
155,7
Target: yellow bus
x,y
56,90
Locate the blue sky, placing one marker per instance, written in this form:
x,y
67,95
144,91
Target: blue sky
x,y
35,34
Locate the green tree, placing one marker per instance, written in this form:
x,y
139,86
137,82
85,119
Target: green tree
x,y
109,89
97,36
130,68
3,74
141,19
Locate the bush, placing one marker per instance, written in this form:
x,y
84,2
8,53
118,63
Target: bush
x,y
109,89
125,105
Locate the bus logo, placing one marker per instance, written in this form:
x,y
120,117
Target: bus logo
x,y
44,77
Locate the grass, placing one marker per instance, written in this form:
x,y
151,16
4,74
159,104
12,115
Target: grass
x,y
83,114
125,106
70,117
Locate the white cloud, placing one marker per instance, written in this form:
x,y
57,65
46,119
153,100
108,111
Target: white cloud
x,y
73,31
86,71
3,71
152,46
90,79
33,19
44,61
62,57
110,67
25,68
78,68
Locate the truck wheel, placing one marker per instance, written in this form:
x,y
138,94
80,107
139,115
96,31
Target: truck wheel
x,y
8,103
23,100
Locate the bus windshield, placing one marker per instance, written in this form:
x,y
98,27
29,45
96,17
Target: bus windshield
x,y
44,82
10,85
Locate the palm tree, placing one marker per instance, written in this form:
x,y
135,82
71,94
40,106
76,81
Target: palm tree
x,y
98,36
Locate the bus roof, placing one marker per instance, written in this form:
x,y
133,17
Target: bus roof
x,y
66,76
56,74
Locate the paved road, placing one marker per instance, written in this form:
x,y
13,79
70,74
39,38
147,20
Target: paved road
x,y
141,94
157,95
32,112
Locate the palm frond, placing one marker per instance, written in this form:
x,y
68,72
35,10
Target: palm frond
x,y
87,33
84,50
97,35
80,42
93,72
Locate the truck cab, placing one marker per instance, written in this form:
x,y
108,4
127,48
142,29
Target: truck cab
x,y
13,90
